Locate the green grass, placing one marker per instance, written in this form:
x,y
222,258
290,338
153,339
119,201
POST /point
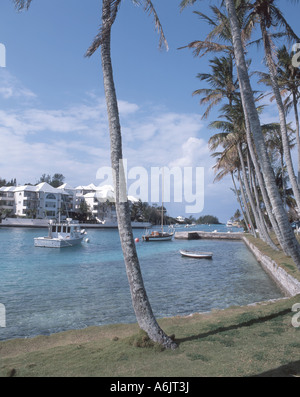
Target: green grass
x,y
238,341
279,257
256,340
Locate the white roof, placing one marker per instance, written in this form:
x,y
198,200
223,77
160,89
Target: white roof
x,y
105,192
41,187
45,187
7,189
133,199
91,186
66,186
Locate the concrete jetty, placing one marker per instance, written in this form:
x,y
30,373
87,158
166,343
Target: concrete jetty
x,y
197,235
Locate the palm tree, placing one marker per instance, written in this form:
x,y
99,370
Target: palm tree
x,y
140,301
219,39
288,78
273,139
141,305
222,82
288,240
267,15
220,24
234,136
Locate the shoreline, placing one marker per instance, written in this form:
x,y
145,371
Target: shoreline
x,y
44,223
284,280
288,284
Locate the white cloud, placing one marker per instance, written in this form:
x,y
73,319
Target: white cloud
x,y
11,87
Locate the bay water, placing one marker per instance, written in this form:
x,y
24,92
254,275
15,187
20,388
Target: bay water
x,y
48,290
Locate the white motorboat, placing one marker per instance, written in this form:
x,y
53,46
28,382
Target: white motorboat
x,y
197,254
61,235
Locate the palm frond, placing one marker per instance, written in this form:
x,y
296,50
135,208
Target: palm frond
x,y
110,18
185,3
107,22
149,8
21,4
206,46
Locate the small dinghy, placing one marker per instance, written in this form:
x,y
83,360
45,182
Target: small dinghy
x,y
197,254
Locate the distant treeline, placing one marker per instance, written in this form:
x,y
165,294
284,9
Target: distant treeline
x,y
208,219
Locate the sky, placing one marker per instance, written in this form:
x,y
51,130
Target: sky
x,y
52,108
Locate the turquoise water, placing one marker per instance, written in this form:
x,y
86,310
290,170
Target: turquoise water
x,y
50,290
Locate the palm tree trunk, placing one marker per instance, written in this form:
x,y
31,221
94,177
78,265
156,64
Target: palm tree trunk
x,y
255,208
289,242
240,203
261,182
141,305
295,103
251,226
281,112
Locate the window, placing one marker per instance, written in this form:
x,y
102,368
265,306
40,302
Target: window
x,y
50,197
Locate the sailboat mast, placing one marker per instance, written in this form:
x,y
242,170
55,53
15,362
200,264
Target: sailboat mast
x,y
162,201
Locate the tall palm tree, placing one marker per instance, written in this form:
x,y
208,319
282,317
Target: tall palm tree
x,y
220,24
288,240
234,135
273,139
219,39
268,15
141,305
288,78
228,163
222,83
140,301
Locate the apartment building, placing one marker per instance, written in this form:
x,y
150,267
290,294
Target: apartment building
x,y
44,201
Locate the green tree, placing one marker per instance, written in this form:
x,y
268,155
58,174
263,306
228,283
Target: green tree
x,y
288,78
288,240
268,16
140,301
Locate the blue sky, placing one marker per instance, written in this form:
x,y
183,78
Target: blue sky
x,y
52,107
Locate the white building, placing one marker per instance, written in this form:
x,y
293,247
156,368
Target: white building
x,y
40,201
44,201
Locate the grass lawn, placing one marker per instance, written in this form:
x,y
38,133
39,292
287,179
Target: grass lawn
x,y
238,341
256,340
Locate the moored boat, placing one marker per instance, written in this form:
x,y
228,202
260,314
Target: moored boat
x,y
61,235
158,236
196,254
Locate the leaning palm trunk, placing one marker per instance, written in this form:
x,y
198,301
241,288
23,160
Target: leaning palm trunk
x,y
246,220
289,242
255,208
251,226
141,305
261,183
281,111
295,105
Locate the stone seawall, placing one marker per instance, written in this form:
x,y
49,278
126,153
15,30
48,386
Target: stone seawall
x,y
288,283
208,235
285,281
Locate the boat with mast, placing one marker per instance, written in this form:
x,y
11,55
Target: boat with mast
x,y
160,235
